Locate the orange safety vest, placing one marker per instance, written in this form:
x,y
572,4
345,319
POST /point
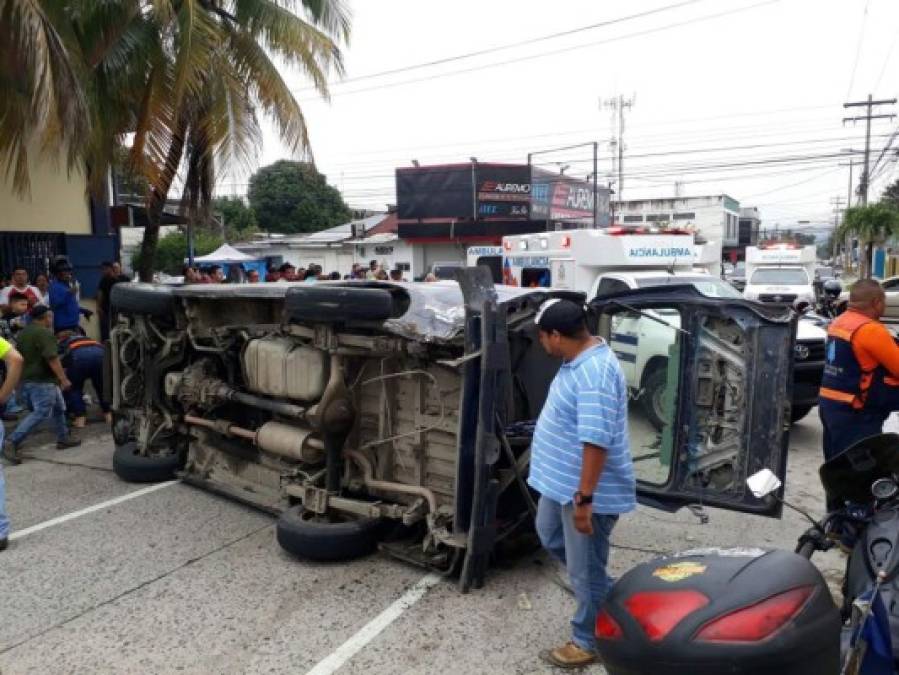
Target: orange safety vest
x,y
844,379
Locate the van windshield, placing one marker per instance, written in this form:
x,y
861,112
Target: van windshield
x,y
786,276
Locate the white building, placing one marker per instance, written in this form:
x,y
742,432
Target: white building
x,y
715,217
331,249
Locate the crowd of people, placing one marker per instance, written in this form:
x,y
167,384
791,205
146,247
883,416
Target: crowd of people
x,y
42,322
288,272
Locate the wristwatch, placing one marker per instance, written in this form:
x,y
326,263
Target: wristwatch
x,y
580,498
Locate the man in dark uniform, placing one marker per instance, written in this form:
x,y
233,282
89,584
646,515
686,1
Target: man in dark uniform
x,y
82,359
860,386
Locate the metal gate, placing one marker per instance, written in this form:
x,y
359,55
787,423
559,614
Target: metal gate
x,y
31,250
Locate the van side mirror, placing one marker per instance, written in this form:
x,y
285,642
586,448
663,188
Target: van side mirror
x,y
763,483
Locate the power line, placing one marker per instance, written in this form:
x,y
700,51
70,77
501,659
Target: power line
x,y
868,117
858,48
510,45
886,61
390,85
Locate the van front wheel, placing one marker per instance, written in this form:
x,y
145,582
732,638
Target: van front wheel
x,y
653,399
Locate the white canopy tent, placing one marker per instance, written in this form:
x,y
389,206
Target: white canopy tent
x,y
224,254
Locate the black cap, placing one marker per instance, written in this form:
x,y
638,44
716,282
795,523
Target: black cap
x,y
38,311
564,316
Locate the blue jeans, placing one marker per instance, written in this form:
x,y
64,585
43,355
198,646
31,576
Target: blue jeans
x,y
585,558
87,364
4,519
45,401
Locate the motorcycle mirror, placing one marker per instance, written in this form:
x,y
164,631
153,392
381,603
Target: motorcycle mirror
x,y
763,483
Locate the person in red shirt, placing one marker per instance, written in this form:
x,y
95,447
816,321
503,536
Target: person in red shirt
x,y
860,386
20,285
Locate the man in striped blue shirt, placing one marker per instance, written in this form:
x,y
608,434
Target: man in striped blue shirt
x,y
581,466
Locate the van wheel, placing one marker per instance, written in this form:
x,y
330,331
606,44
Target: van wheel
x,y
136,468
798,412
326,538
653,397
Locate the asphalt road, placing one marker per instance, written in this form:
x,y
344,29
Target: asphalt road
x,y
177,580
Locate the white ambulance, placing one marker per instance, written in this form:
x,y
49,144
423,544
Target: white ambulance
x,y
781,273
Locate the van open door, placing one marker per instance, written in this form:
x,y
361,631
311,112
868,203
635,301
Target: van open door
x,y
721,391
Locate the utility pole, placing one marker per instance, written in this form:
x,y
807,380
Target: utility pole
x,y
837,203
617,106
869,104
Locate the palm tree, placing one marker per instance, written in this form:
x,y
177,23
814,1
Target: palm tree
x,y
42,102
871,224
209,67
185,77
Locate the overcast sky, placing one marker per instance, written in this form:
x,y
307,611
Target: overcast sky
x,y
709,77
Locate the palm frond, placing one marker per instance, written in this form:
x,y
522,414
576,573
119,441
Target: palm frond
x,y
269,90
290,37
42,103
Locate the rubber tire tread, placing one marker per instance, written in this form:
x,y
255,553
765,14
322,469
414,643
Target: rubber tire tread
x,y
656,378
327,542
149,299
337,304
134,468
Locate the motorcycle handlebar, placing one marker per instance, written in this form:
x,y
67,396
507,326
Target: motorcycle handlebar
x,y
806,549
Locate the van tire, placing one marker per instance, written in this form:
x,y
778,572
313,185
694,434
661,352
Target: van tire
x,y
132,467
149,299
338,304
323,541
653,391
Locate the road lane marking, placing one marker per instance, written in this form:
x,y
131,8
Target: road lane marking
x,y
373,628
18,534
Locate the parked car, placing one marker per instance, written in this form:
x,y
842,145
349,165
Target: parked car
x,y
399,415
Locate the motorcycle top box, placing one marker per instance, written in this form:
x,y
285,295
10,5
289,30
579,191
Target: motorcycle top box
x,y
721,611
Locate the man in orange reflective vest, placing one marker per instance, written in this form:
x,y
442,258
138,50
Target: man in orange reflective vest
x,y
860,386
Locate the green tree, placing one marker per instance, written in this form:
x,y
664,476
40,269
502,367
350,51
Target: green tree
x,y
294,197
891,195
172,250
872,224
240,220
186,77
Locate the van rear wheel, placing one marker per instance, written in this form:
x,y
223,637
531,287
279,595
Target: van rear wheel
x,y
313,537
653,399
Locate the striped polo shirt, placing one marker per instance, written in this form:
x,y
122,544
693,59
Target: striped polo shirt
x,y
587,403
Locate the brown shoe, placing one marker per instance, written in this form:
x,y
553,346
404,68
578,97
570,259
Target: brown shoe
x,y
569,655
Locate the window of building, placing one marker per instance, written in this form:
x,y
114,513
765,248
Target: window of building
x,y
633,219
686,215
657,217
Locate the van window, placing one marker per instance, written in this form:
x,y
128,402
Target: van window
x,y
535,277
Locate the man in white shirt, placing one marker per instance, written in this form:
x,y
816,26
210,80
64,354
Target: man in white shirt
x,y
20,284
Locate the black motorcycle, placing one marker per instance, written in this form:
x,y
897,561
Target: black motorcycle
x,y
750,610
